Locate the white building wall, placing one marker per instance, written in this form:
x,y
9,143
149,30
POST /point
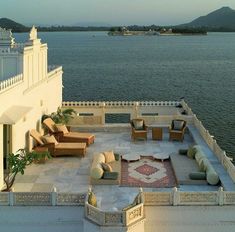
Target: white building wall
x,y
39,90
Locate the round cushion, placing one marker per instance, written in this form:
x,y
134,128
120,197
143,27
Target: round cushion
x,y
106,167
97,171
212,177
199,155
197,175
191,152
99,158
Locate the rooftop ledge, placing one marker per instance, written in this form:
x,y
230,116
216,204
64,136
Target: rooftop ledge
x,y
71,175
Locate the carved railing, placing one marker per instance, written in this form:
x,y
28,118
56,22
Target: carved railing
x,y
119,103
176,197
117,218
212,144
94,112
126,217
41,198
11,82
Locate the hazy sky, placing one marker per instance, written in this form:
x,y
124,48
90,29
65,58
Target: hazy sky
x,y
113,12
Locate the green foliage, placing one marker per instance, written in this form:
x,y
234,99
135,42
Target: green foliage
x,y
62,116
17,164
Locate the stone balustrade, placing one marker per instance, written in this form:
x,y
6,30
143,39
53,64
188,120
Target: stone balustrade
x,y
11,82
41,198
116,218
176,197
119,103
171,198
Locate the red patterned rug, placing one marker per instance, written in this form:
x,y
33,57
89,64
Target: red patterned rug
x,y
148,173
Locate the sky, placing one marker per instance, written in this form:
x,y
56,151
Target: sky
x,y
108,12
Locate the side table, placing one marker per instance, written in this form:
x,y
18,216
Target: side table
x,y
157,133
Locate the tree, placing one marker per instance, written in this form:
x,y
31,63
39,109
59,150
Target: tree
x,y
17,164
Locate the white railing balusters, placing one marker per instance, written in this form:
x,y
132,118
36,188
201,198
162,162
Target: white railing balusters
x,y
9,83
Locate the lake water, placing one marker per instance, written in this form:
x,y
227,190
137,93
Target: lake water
x,y
199,68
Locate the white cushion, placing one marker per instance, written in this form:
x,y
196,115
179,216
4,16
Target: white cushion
x,y
109,156
178,125
138,124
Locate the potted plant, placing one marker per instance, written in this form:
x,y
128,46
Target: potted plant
x,y
17,164
60,116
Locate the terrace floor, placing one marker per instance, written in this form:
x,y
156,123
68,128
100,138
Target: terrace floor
x,y
71,174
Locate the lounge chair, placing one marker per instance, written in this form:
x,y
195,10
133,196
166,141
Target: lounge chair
x,y
63,133
58,149
138,129
177,129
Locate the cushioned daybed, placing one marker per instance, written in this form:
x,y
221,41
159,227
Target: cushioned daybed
x,y
58,149
63,133
99,176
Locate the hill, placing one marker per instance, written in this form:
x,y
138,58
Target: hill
x,y
10,24
223,18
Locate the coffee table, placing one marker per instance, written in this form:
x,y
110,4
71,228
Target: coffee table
x,y
161,156
131,157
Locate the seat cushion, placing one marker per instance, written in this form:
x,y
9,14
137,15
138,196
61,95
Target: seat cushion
x,y
37,136
61,128
109,156
191,152
70,146
78,135
50,139
138,124
106,167
178,125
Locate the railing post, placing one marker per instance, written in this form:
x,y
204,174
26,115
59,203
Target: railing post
x,y
135,113
103,113
54,197
221,196
175,196
11,198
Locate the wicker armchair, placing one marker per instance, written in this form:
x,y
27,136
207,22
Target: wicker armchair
x,y
140,132
177,130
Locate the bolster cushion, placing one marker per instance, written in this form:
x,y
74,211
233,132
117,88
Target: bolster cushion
x,y
96,168
197,176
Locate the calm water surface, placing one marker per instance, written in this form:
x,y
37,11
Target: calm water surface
x,y
199,68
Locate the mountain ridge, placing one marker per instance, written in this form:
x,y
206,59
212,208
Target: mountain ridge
x,y
220,18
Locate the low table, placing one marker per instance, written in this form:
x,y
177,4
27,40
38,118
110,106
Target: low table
x,y
161,156
131,157
157,133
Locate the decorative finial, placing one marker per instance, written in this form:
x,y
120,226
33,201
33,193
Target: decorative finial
x,y
6,38
33,35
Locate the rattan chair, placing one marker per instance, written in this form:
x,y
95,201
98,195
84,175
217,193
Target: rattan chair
x,y
138,133
177,130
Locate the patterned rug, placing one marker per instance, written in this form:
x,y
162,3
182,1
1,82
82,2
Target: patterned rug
x,y
148,173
